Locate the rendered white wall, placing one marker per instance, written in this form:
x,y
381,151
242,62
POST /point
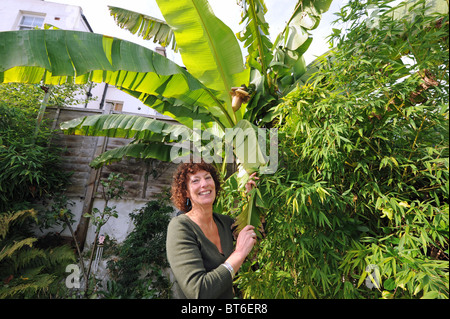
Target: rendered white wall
x,y
63,16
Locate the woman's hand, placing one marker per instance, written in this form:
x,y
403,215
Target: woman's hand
x,y
244,244
251,182
246,240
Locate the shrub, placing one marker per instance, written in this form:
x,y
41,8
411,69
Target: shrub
x,y
29,165
138,270
27,270
30,174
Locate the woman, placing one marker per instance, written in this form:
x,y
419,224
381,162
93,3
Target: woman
x,y
200,242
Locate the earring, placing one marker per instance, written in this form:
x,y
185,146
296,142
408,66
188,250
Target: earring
x,y
188,203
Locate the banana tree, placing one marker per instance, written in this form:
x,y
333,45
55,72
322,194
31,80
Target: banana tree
x,y
218,91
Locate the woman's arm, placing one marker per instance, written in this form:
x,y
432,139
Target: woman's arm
x,y
187,265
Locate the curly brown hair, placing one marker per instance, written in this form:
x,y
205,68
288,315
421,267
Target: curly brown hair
x,y
180,178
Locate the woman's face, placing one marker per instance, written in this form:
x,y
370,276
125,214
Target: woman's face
x,y
201,189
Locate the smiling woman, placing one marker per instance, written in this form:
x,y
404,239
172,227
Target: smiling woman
x,y
179,190
199,241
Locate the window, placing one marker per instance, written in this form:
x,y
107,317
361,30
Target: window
x,y
29,22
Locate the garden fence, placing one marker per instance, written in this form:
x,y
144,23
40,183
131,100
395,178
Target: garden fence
x,y
147,177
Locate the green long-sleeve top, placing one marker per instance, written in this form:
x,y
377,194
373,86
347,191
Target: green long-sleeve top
x,y
196,262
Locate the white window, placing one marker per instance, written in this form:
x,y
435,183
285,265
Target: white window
x,y
29,22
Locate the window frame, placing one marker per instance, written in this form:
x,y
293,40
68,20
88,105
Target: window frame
x,y
33,25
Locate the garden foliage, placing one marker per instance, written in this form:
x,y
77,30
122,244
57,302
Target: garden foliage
x,y
359,206
30,175
137,270
26,269
29,162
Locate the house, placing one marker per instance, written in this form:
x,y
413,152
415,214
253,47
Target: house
x,y
29,14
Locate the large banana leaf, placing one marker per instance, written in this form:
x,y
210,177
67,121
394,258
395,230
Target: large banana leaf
x,y
256,34
250,151
144,26
155,150
208,47
177,109
152,138
124,126
247,146
59,56
294,40
282,67
251,213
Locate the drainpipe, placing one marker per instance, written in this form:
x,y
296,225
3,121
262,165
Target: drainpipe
x,y
102,102
88,94
86,21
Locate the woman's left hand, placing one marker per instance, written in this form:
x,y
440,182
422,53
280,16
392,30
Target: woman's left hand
x,y
251,182
245,241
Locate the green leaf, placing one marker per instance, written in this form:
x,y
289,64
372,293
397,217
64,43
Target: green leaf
x,y
144,26
250,214
387,212
58,56
361,279
322,193
247,146
430,295
155,150
389,284
179,110
123,126
208,47
294,40
255,36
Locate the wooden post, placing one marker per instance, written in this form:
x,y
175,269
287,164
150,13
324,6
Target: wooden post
x,y
42,109
91,189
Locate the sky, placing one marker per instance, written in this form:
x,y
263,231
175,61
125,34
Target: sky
x,y
278,12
